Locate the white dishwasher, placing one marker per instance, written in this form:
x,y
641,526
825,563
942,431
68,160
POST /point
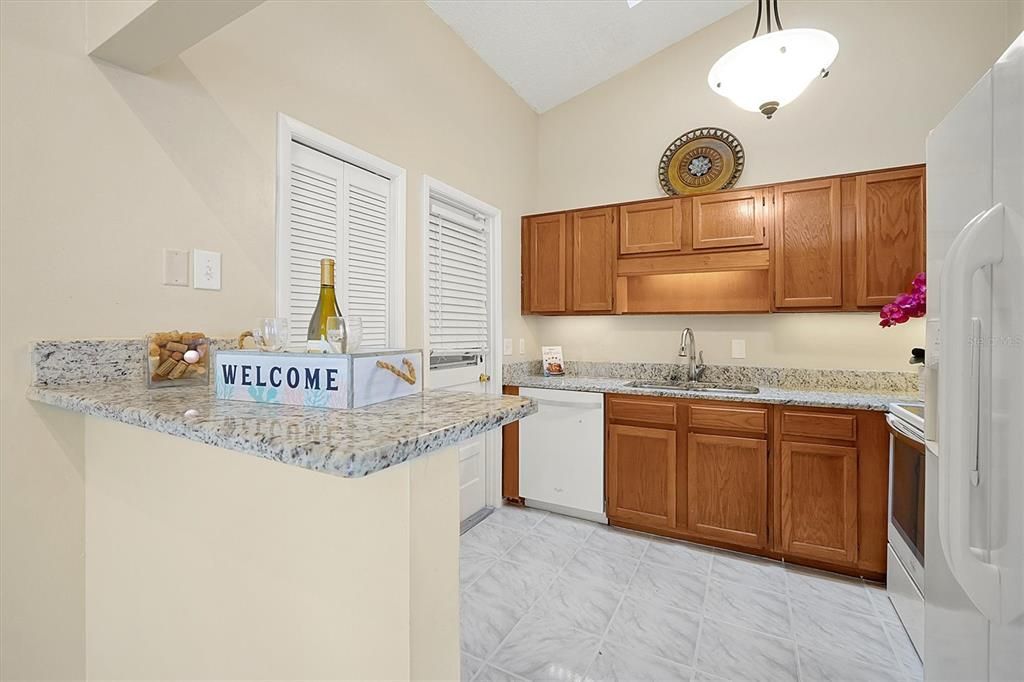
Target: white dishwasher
x,y
561,453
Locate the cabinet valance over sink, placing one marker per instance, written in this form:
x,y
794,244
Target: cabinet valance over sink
x,y
841,243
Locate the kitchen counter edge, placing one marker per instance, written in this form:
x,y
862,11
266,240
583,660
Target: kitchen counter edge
x,y
346,443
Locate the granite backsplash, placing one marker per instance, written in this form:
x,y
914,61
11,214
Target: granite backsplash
x,y
782,377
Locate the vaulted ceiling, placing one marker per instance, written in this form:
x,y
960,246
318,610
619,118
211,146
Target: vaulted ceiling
x,y
549,51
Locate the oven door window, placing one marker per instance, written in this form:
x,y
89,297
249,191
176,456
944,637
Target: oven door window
x,y
908,493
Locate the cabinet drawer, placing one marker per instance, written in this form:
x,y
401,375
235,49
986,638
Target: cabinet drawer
x,y
643,410
753,419
819,425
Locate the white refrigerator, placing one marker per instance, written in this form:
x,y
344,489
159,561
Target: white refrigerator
x,y
974,422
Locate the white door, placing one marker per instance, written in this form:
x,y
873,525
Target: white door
x,y
460,320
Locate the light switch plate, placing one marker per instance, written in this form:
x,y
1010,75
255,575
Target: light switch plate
x,y
506,346
205,269
176,267
522,346
739,348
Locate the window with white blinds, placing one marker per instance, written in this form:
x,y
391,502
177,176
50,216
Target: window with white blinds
x,y
337,210
458,281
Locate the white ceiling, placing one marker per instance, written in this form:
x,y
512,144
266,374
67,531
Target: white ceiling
x,y
549,51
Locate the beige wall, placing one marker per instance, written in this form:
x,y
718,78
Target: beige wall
x,y
102,168
206,564
901,67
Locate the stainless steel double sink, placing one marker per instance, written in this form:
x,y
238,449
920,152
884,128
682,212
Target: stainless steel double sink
x,y
697,386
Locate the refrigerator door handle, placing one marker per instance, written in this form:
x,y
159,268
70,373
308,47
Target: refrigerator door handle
x,y
980,243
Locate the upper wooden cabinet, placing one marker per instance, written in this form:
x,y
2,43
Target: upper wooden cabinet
x,y
842,243
641,474
731,219
808,245
651,226
593,260
545,265
889,234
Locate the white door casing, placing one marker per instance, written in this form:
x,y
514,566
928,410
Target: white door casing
x,y
291,131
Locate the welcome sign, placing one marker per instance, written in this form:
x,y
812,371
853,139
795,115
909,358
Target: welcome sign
x,y
338,381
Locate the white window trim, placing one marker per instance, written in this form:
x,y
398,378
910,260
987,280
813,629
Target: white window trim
x,y
433,186
289,130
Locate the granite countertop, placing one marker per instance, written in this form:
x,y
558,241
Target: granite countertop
x,y
348,443
809,397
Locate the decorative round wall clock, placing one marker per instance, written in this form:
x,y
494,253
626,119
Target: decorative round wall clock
x,y
701,160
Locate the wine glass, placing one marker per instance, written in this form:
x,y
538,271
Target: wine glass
x,y
337,334
271,334
354,325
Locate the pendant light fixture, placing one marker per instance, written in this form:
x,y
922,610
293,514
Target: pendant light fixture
x,y
771,70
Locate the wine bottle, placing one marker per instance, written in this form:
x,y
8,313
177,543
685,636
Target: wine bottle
x,y
326,307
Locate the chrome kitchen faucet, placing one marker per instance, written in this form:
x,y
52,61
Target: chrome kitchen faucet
x,y
688,349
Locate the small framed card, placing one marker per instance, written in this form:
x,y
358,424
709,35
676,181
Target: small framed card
x,y
551,356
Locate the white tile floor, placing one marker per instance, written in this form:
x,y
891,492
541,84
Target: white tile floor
x,y
548,597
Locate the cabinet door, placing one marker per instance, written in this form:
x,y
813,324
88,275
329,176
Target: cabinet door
x,y
641,475
593,260
727,488
545,261
817,498
651,227
726,219
808,245
890,233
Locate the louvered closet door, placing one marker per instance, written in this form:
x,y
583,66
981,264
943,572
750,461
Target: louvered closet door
x,y
314,215
337,210
366,253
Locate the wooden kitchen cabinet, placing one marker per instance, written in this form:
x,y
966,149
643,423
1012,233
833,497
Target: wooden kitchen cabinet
x,y
830,488
805,484
651,226
818,501
641,475
890,228
731,219
848,242
808,245
727,488
593,260
545,263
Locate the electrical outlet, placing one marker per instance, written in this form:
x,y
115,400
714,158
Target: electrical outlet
x,y
175,267
506,346
205,269
739,348
522,346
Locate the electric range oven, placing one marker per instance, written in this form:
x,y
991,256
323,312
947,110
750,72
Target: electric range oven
x,y
905,567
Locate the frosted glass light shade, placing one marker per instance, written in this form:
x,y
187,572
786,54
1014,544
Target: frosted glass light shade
x,y
771,70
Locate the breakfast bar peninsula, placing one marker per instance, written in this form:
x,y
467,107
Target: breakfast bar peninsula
x,y
236,540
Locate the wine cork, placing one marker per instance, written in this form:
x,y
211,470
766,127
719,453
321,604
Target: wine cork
x,y
166,366
179,369
174,346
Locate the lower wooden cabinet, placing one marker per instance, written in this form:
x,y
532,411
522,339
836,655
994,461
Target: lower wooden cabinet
x,y
727,488
804,484
641,475
817,499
